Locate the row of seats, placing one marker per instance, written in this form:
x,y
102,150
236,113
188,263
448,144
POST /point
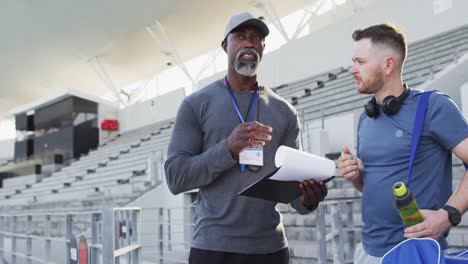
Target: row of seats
x,y
334,92
295,89
116,169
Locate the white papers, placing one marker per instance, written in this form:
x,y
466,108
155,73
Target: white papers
x,y
296,165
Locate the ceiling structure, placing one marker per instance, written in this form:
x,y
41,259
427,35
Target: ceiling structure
x,y
95,46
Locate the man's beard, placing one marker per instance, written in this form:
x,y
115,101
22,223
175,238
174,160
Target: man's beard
x,y
373,85
247,67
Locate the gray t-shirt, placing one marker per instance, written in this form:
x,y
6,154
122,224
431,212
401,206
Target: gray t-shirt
x,y
198,157
384,148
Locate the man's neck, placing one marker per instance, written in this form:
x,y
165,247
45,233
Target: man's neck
x,y
392,87
242,83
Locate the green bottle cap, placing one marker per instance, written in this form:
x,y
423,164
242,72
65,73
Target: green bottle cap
x,y
399,189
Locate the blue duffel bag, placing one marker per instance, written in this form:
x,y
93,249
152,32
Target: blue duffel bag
x,y
423,251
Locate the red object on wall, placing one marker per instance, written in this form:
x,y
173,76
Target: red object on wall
x,y
110,125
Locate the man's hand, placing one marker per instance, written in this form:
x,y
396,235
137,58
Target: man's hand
x,y
351,167
435,225
312,193
246,135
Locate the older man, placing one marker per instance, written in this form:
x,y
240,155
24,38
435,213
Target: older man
x,y
216,129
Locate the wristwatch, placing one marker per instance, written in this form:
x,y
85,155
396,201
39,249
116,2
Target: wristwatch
x,y
453,214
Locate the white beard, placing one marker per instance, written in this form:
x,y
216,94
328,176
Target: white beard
x,y
246,67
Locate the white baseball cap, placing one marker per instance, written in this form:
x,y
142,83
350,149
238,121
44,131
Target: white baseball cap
x,y
246,19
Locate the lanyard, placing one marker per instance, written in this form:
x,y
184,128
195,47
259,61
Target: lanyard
x,y
252,105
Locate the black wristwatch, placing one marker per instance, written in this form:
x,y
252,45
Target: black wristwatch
x,y
453,214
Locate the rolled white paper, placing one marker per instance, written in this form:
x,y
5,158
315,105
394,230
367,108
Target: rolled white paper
x,y
297,165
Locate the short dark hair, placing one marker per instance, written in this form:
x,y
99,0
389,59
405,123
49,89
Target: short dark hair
x,y
385,34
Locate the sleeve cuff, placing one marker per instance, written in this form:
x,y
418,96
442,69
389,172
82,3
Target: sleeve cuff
x,y
300,208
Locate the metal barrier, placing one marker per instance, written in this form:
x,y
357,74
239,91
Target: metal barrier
x,y
335,231
113,234
343,234
116,235
167,231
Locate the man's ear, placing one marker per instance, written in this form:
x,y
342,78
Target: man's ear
x,y
224,45
390,65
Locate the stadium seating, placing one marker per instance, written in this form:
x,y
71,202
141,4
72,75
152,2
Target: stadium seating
x,y
116,171
337,95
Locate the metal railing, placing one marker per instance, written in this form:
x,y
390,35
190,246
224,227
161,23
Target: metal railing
x,y
113,234
334,231
171,234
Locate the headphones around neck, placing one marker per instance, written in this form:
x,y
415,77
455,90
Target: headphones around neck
x,y
391,104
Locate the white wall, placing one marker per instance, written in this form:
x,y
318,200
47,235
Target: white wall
x,y
315,140
159,197
341,131
331,46
209,80
449,80
338,131
7,149
7,129
152,111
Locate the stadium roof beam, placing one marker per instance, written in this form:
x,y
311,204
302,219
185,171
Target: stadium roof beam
x,y
167,48
313,14
102,74
272,15
210,60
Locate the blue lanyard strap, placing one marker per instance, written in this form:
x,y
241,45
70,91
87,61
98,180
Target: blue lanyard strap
x,y
417,129
253,103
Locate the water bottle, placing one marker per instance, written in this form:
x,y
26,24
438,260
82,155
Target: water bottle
x,y
406,205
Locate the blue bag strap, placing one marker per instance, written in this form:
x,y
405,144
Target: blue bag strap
x,y
417,129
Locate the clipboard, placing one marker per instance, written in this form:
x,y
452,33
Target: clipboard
x,y
282,185
278,191
273,190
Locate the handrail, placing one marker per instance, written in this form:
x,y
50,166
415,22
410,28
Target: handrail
x,y
121,251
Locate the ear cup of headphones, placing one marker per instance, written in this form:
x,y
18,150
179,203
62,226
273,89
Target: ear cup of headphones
x,y
372,109
391,105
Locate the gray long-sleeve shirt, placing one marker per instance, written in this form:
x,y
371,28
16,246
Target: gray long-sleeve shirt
x,y
198,157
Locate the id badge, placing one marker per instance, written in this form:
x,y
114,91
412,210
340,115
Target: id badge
x,y
252,156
